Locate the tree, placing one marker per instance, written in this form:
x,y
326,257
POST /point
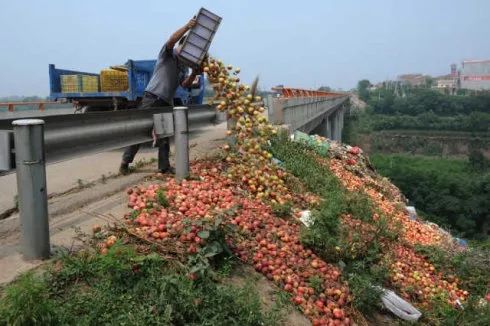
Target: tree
x,y
477,160
324,89
362,89
429,81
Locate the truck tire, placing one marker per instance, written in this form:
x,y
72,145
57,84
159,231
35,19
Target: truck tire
x,y
88,108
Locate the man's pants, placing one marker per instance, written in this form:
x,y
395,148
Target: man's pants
x,y
150,101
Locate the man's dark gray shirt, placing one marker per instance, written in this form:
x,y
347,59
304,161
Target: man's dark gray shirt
x,y
168,75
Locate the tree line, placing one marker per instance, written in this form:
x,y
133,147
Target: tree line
x,y
424,109
452,193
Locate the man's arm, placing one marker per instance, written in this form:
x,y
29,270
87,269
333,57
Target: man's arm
x,y
177,35
187,82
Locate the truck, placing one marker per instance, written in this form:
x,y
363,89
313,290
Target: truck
x,y
139,73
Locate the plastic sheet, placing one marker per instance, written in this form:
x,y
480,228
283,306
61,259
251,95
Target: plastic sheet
x,y
399,307
305,218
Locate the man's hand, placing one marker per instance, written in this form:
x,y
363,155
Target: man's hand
x,y
189,80
177,35
191,23
197,71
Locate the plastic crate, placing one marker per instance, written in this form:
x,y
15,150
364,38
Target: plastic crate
x,y
79,83
90,84
197,42
70,84
112,80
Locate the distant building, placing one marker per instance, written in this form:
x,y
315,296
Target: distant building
x,y
454,71
413,79
447,84
475,75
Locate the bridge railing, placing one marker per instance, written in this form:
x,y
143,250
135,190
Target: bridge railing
x,y
299,92
297,111
39,105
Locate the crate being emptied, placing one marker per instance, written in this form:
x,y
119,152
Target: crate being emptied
x,y
197,42
112,80
79,83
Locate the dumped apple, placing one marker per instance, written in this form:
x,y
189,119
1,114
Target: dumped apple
x,y
172,212
417,279
251,131
414,232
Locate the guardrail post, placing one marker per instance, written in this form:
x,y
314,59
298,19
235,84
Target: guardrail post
x,y
31,188
6,143
181,127
220,116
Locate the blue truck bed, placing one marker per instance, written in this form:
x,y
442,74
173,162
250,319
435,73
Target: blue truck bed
x,y
139,74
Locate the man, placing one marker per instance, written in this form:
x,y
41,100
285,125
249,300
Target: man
x,y
169,73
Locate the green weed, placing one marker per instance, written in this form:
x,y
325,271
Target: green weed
x,y
282,210
125,288
27,302
162,198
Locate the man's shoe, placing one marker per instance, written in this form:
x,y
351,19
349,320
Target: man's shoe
x,y
169,170
124,168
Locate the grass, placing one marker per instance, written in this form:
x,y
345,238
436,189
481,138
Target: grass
x,y
141,163
471,266
327,237
125,288
475,313
367,265
282,210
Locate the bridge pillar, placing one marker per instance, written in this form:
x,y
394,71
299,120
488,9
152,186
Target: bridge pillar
x,y
329,127
341,122
324,129
335,125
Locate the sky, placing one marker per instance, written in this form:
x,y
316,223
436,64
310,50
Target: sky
x,y
304,44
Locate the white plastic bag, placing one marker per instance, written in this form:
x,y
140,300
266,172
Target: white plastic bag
x,y
399,307
306,218
412,213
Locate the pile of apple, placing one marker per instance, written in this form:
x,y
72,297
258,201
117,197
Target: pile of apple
x,y
269,243
415,277
250,132
418,280
414,232
272,245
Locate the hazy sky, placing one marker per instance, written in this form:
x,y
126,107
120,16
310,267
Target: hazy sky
x,y
296,43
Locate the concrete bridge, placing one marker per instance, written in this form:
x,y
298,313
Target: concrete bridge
x,y
314,112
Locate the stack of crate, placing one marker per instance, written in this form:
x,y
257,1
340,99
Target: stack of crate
x,y
112,80
79,83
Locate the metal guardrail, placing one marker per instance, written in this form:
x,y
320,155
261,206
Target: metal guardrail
x,y
59,137
71,135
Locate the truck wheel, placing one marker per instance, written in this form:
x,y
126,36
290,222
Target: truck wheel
x,y
83,109
88,108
